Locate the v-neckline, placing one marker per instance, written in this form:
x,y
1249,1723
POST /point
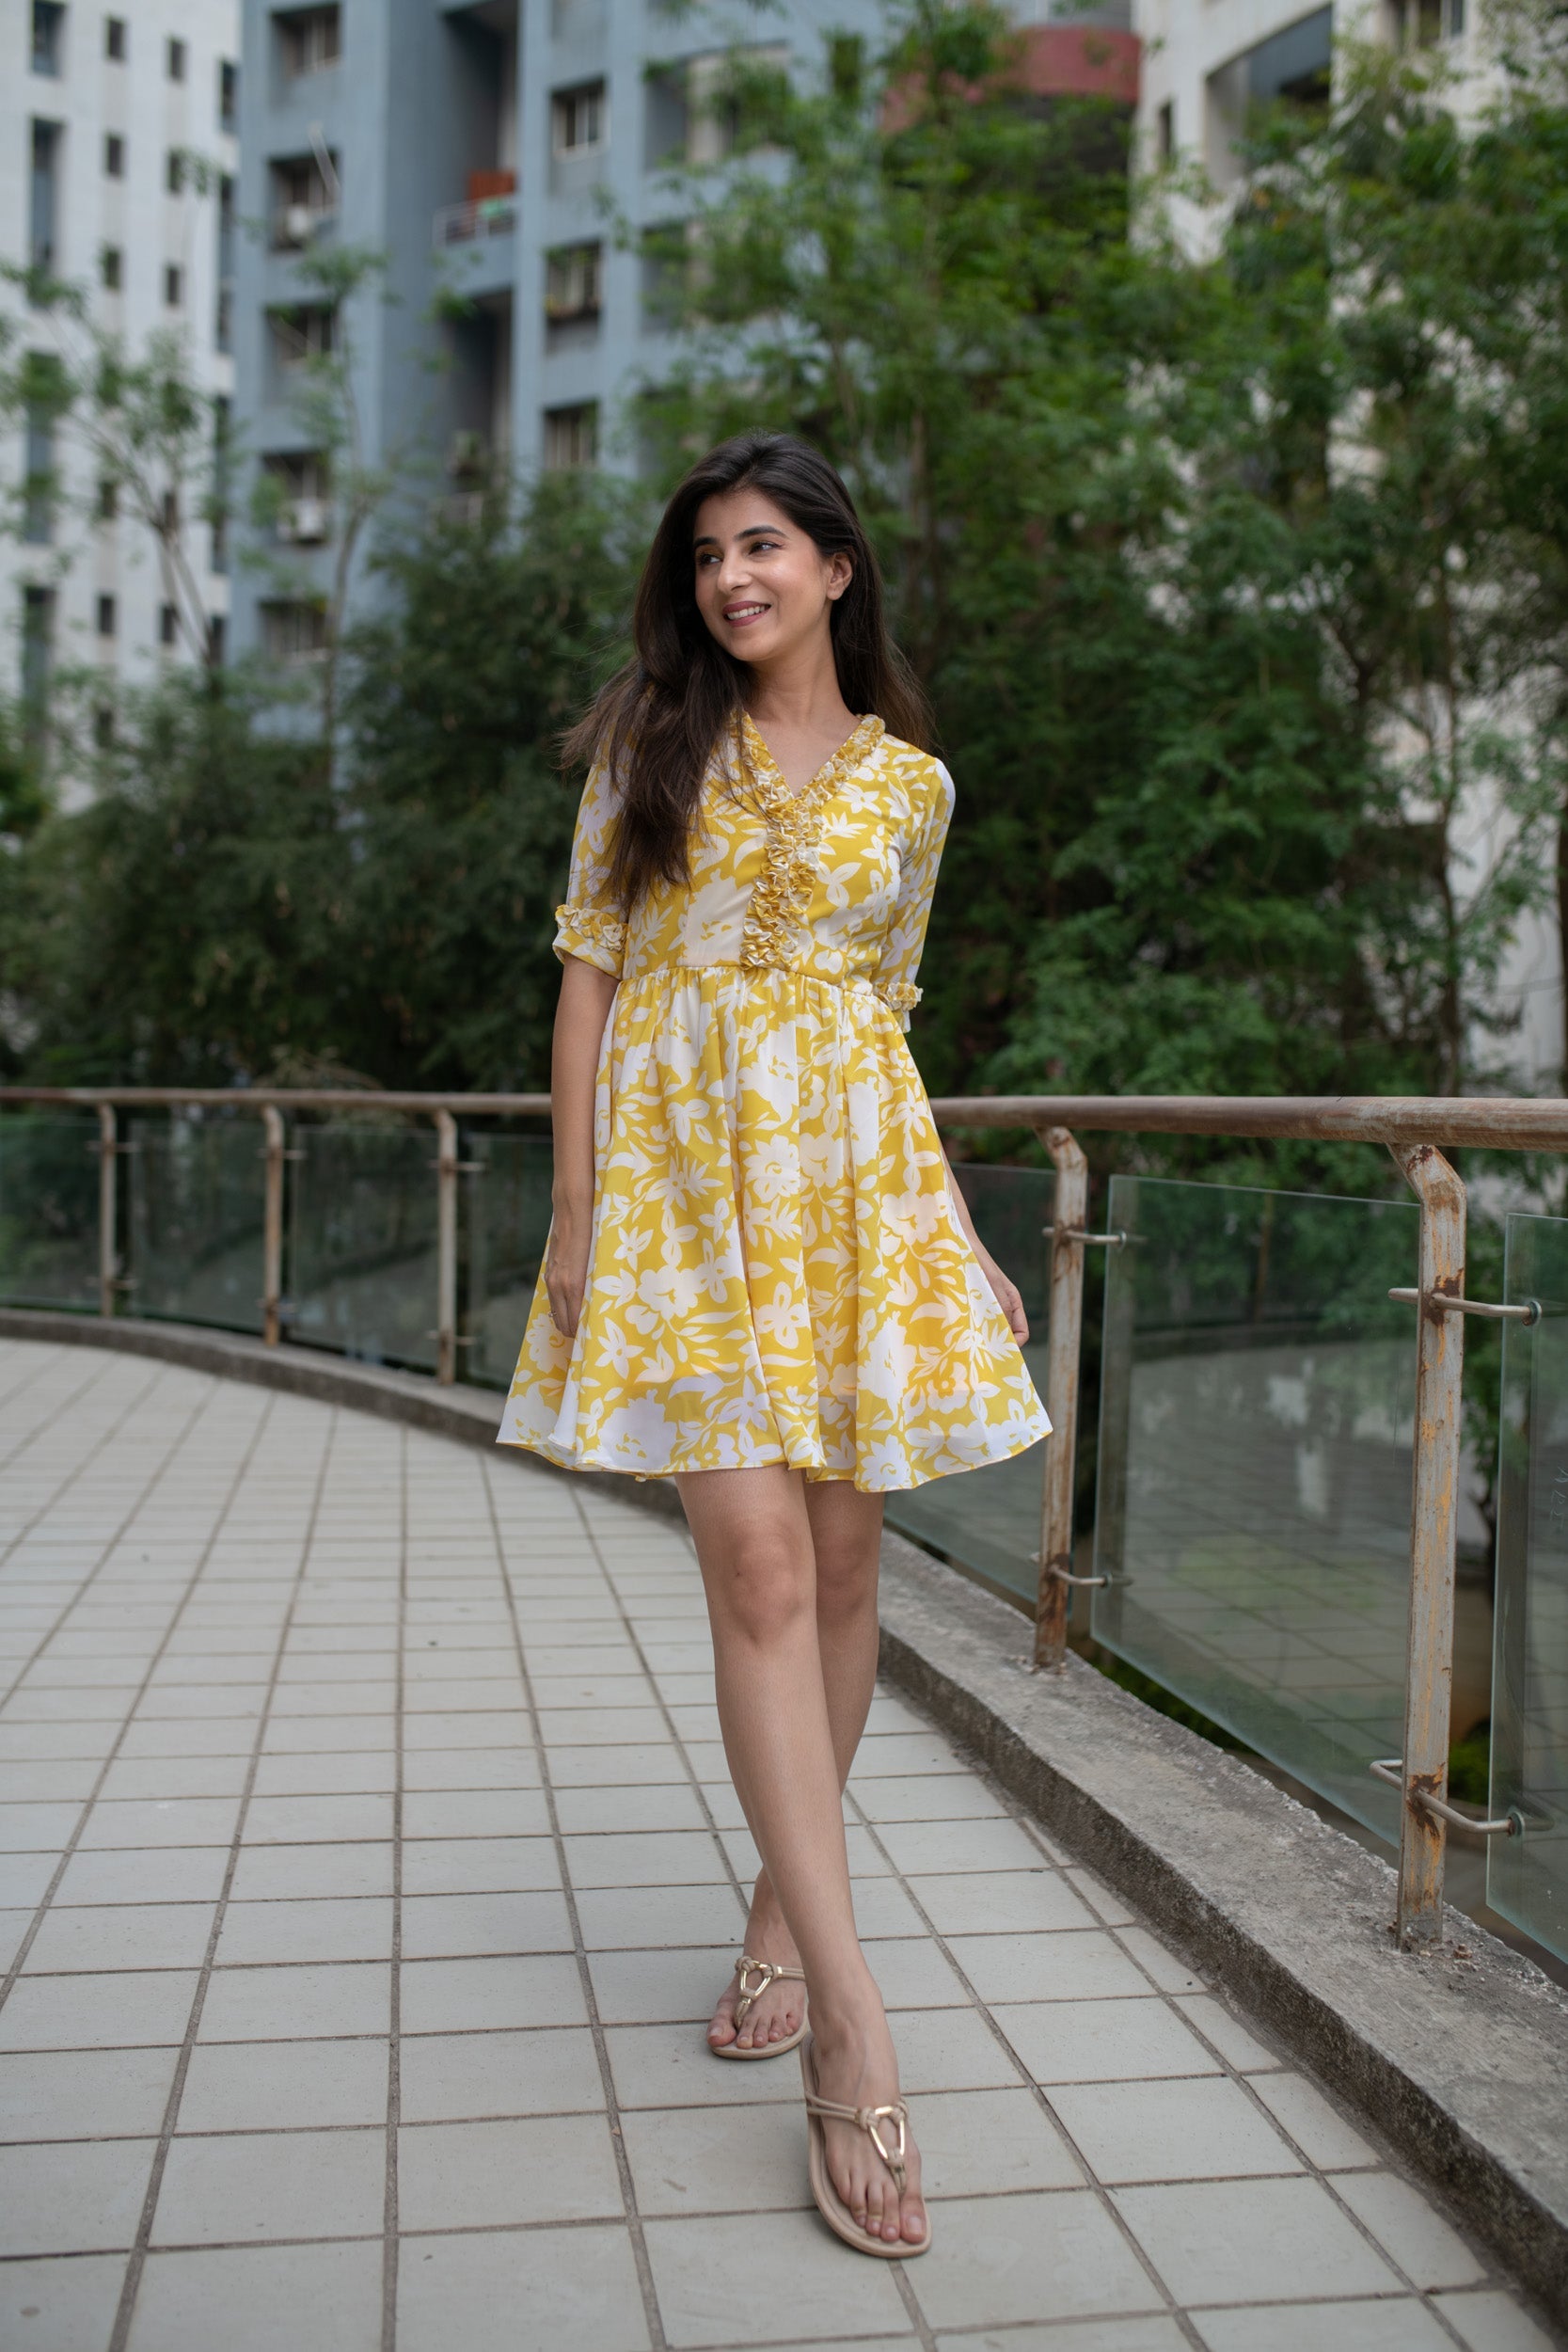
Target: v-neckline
x,y
867,730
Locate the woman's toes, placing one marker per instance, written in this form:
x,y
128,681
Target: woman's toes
x,y
912,2220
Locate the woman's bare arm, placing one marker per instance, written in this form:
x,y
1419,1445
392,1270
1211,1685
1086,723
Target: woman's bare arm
x,y
1007,1293
586,996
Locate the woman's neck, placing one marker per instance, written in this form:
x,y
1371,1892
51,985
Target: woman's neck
x,y
799,695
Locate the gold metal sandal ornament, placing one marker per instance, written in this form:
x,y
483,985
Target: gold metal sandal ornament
x,y
766,1972
872,2120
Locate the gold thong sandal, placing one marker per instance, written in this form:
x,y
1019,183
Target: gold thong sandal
x,y
830,2205
769,1971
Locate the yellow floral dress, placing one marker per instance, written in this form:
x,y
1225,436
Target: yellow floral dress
x,y
776,1273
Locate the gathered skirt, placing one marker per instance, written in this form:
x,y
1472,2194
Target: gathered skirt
x,y
776,1272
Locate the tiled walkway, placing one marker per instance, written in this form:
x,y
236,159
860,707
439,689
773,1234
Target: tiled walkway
x,y
370,1870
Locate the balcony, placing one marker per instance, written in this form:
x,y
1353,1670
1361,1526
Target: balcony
x,y
1274,1541
476,237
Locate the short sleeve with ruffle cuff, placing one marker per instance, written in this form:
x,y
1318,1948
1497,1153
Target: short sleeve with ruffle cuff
x,y
900,997
592,936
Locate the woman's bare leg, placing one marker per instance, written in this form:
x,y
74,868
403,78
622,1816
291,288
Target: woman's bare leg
x,y
847,1533
753,1531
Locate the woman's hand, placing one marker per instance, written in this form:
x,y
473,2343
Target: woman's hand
x,y
1004,1293
566,1272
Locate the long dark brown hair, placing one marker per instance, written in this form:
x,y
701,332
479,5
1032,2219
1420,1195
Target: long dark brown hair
x,y
658,722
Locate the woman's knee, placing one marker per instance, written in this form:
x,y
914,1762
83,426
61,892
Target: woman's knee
x,y
764,1587
846,1579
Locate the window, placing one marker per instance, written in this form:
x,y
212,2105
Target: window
x,y
106,616
174,171
37,520
305,192
571,437
293,632
577,118
174,285
573,282
301,487
218,509
114,38
175,58
228,95
48,26
223,322
170,509
108,501
308,39
169,624
114,155
37,655
42,227
1165,132
104,726
304,332
217,639
111,268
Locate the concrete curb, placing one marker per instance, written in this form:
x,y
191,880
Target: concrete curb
x,y
1461,2062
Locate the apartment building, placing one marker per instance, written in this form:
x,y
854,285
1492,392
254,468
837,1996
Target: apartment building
x,y
514,158
119,165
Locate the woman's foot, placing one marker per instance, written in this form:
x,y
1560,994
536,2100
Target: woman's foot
x,y
779,2010
857,2068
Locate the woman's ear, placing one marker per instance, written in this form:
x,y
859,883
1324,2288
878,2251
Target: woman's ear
x,y
841,571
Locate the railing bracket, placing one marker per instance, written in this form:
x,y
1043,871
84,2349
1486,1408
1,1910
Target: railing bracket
x,y
1527,1310
1391,1769
1076,1234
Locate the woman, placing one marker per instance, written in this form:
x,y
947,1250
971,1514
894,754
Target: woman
x,y
760,1279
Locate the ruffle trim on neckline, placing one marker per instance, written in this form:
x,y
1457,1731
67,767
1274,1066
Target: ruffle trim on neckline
x,y
794,821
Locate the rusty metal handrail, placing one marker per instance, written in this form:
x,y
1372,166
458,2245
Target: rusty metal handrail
x,y
1411,1126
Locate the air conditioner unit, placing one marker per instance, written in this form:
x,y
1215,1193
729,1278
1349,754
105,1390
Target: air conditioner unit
x,y
469,453
297,224
304,522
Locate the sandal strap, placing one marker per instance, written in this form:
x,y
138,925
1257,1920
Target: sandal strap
x,y
769,1970
869,2118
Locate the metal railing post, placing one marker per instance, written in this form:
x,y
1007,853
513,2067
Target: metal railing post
x,y
1434,1534
446,1247
108,1187
272,1228
1061,1395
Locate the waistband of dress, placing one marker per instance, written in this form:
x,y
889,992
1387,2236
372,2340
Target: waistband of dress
x,y
847,983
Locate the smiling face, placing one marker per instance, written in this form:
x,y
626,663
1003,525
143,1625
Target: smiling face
x,y
764,587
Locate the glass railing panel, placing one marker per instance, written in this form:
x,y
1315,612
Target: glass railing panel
x,y
1526,1877
1255,1466
49,1168
989,1520
197,1196
507,1213
363,1241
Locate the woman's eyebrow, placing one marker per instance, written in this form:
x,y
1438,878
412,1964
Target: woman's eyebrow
x,y
747,531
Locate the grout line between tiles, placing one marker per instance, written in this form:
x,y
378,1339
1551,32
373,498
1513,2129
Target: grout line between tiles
x,y
394,2050
653,2318
125,2311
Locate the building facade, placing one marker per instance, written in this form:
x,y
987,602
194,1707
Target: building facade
x,y
118,166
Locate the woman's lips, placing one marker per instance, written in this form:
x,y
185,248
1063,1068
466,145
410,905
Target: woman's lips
x,y
742,615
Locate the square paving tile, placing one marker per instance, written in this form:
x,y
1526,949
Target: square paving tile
x,y
268,2297
479,1995
60,2306
651,1858
1202,2130
620,1918
296,2004
654,1988
191,1874
719,2159
355,1927
660,1804
1399,2324
1410,2229
1076,1963
448,1927
475,1813
288,1873
669,2066
296,1821
227,2189
545,2290
159,1821
715,2277
83,2013
1076,2335
1493,2323
1249,2241
1102,2042
458,2078
85,2094
273,2086
479,1866
1000,2261
123,1935
913,1973
497,2174
1317,2129
1007,1902
982,2143
73,2197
